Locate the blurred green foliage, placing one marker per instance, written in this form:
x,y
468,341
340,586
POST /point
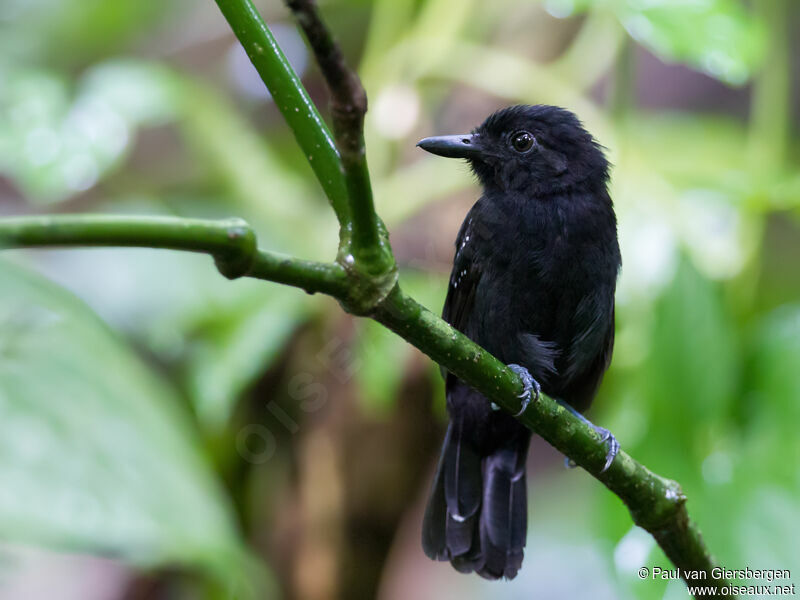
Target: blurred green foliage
x,y
56,143
110,107
97,453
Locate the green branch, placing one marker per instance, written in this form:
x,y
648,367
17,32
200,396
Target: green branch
x,y
341,167
291,99
231,242
348,108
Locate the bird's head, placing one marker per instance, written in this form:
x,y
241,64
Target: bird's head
x,y
535,149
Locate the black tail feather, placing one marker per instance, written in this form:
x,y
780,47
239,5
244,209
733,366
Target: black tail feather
x,y
477,512
434,535
504,518
463,485
458,535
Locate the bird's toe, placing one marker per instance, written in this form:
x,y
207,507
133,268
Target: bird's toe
x,y
530,387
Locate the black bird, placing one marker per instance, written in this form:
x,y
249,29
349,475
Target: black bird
x,y
533,282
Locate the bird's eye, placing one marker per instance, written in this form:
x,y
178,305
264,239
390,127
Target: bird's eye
x,y
522,141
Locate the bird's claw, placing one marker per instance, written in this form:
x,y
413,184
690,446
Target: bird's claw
x,y
531,387
607,438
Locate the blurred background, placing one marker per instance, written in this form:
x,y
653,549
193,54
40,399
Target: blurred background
x,y
166,433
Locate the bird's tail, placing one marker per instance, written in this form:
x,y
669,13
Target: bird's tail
x,y
477,511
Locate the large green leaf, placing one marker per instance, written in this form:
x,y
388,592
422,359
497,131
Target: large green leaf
x,y
719,37
95,452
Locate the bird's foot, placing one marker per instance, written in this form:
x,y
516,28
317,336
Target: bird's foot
x,y
531,388
606,437
611,442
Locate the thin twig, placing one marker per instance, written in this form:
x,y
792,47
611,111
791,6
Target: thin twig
x,y
348,108
348,98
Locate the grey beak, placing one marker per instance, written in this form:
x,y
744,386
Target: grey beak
x,y
453,146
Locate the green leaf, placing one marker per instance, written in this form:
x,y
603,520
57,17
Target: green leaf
x,y
96,454
718,37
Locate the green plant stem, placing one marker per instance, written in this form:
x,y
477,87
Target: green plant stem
x,y
311,276
231,242
369,242
291,99
656,504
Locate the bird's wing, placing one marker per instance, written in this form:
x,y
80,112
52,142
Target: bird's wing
x,y
464,279
591,347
